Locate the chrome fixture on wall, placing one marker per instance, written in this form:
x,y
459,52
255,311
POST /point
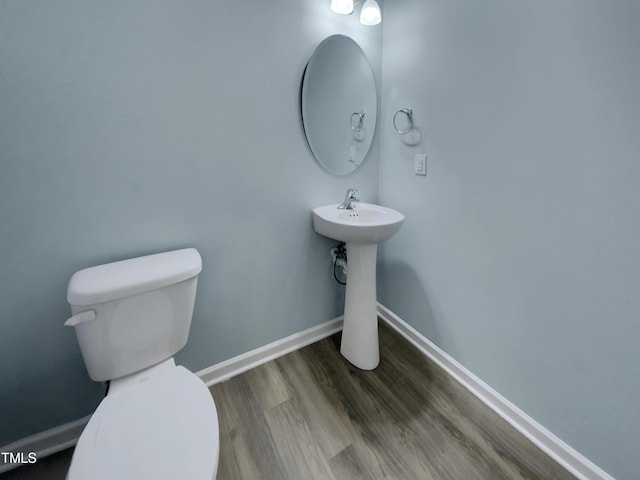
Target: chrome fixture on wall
x,y
369,13
405,124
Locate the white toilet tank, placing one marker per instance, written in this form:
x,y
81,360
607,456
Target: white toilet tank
x,y
133,314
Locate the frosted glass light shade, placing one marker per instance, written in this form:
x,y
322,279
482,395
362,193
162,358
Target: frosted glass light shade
x,y
344,7
370,13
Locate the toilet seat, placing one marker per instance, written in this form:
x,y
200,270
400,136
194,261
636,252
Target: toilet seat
x,y
163,427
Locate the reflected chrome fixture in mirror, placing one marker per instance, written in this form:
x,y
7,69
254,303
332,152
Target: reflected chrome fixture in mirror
x,y
369,14
404,123
339,104
359,121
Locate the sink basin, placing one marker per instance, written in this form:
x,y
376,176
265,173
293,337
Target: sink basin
x,y
361,228
365,224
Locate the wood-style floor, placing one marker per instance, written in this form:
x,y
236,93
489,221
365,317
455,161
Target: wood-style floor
x,y
312,415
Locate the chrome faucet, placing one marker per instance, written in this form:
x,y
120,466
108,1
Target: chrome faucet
x,y
349,198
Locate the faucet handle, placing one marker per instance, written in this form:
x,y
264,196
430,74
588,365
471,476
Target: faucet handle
x,y
352,193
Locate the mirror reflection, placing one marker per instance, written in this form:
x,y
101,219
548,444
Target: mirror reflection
x,y
339,104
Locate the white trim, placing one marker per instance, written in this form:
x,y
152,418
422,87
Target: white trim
x,y
237,365
562,453
66,435
46,443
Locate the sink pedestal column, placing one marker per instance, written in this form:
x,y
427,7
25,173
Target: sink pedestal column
x,y
360,330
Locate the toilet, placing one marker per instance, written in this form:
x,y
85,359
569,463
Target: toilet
x,y
158,420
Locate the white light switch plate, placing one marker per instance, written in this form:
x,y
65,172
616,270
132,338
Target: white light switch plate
x,y
420,166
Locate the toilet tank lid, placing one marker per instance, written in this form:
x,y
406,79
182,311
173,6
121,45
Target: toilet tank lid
x,y
121,279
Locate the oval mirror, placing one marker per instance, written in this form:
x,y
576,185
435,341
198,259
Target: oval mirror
x,y
339,104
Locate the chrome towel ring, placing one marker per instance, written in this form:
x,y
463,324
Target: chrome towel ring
x,y
408,112
359,121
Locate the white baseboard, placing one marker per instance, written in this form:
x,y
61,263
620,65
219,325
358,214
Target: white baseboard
x,y
562,453
237,365
46,443
66,435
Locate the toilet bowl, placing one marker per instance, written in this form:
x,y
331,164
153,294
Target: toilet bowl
x,y
158,420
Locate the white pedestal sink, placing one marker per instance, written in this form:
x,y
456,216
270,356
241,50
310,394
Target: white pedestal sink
x,y
361,228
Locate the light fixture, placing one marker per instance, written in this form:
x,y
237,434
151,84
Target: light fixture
x,y
343,7
370,13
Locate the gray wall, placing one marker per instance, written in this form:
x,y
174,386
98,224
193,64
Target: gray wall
x,y
128,128
519,255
